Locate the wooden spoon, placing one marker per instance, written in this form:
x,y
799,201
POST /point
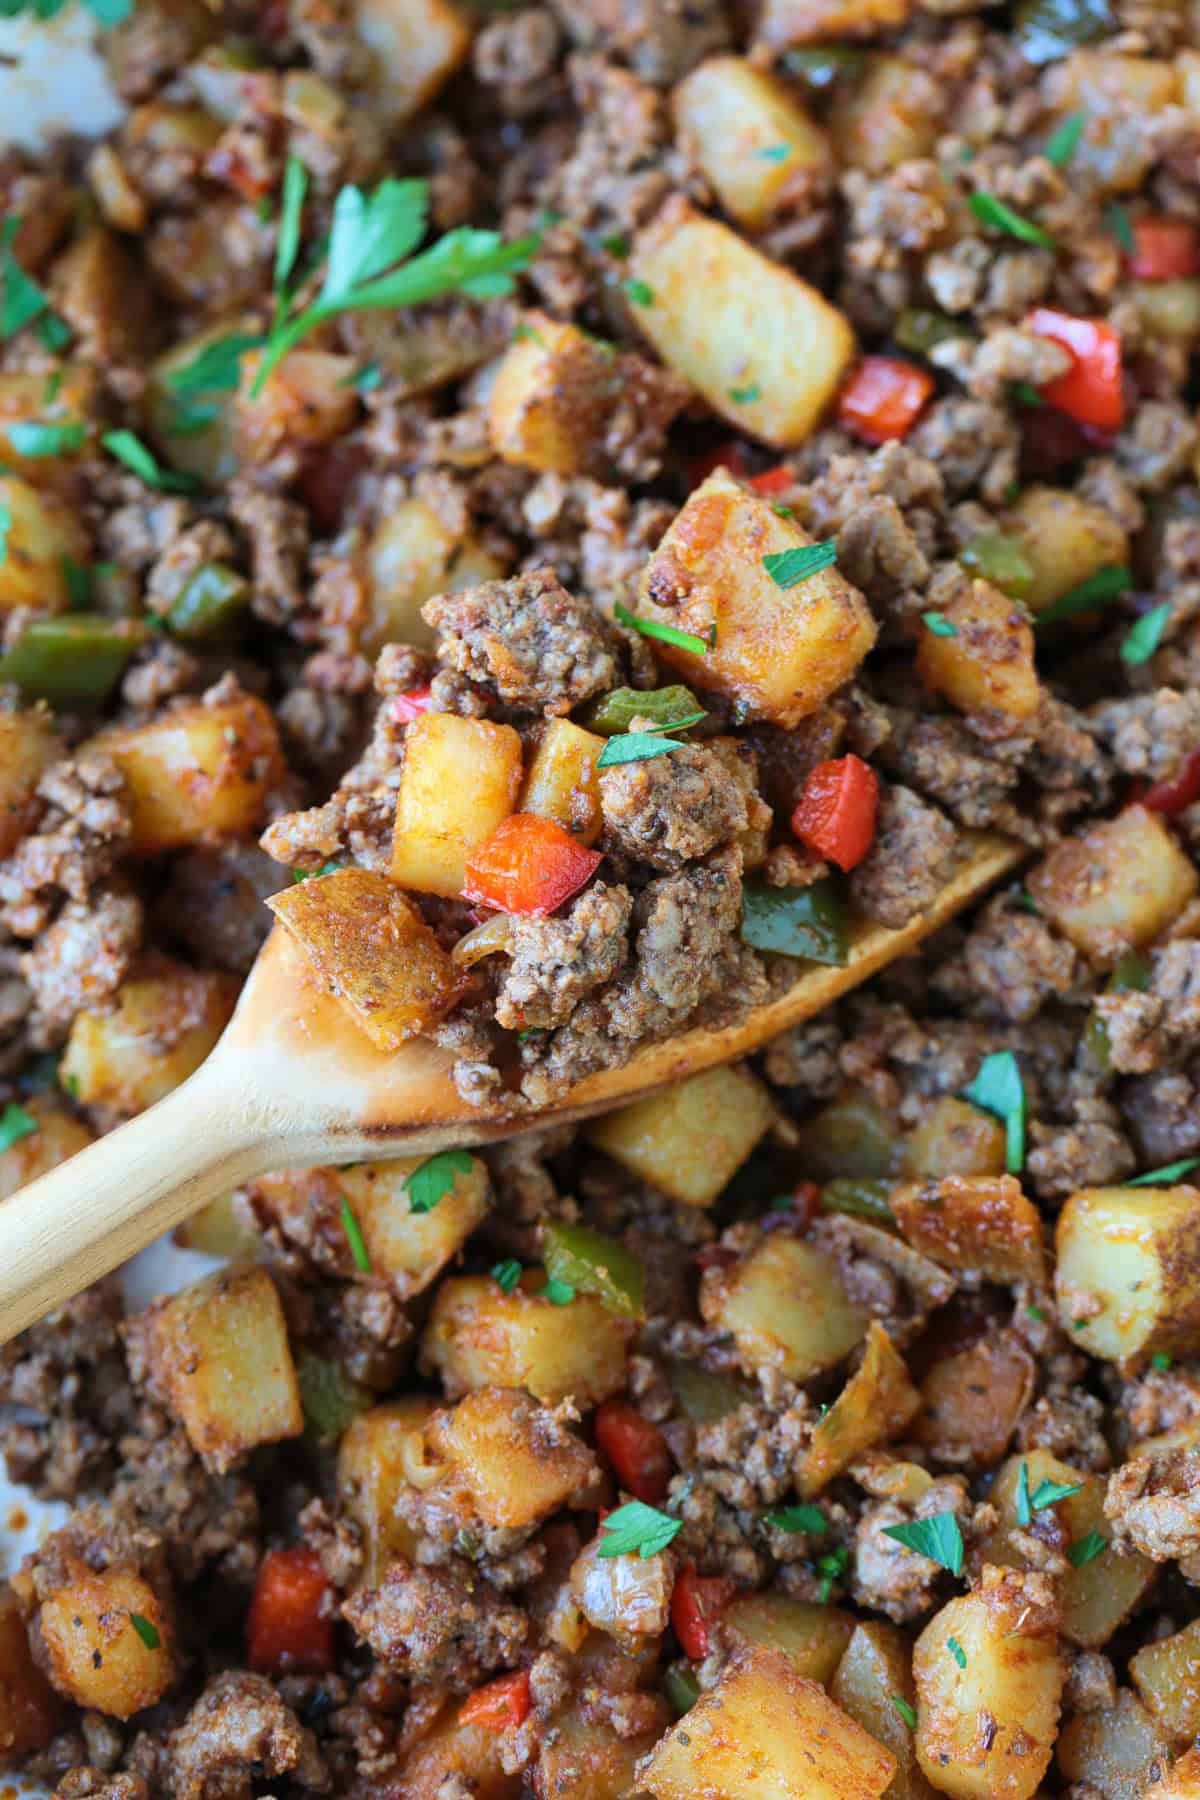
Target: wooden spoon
x,y
293,1082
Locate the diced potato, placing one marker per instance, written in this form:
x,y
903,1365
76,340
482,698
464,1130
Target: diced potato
x,y
463,1756
876,1404
1128,1276
1182,1780
373,951
410,1248
105,299
785,1307
1168,309
197,773
584,1758
811,1636
515,1459
308,398
1166,1674
780,651
93,1651
876,1671
978,1222
377,1455
629,1597
850,1136
986,667
764,1733
28,1708
478,1336
59,1135
28,745
689,1139
460,778
207,453
1012,1674
1065,538
731,321
1119,1751
955,1139
1115,887
758,148
44,537
218,1354
154,1033
1108,86
407,562
33,398
972,1400
561,782
787,22
1094,1599
225,1227
892,115
929,1285
552,394
417,45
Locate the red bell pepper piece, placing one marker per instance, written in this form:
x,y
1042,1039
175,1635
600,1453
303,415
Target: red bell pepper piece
x,y
636,1449
836,814
289,1630
727,454
528,866
1165,249
883,398
500,1705
773,481
696,1602
411,704
1171,796
1090,391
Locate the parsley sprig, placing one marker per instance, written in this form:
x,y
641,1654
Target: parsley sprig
x,y
999,1090
434,1179
105,12
788,568
799,1518
637,1529
15,1123
666,634
1169,1172
938,1538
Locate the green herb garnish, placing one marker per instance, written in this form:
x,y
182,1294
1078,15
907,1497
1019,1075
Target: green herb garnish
x,y
639,293
15,1124
1100,589
998,1089
1145,637
145,1630
1168,1172
129,449
329,868
799,1518
957,1652
832,1567
1024,1510
506,1274
1160,1361
1049,1493
1117,221
354,1237
29,437
1087,1549
993,212
774,153
21,299
788,568
636,746
745,396
291,214
637,1529
905,1710
939,624
938,1538
558,1293
428,1184
666,634
1061,146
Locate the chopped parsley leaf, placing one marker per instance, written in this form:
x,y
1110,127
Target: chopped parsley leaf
x,y
957,1652
354,1237
998,1089
799,1518
1168,1172
639,293
1049,1493
637,1529
558,1293
788,568
15,1124
506,1274
1061,146
145,1630
993,212
939,624
1087,1549
938,1538
435,1177
666,634
905,1710
1145,637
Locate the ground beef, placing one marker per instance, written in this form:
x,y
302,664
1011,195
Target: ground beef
x,y
213,904
204,1520
66,1375
554,963
941,758
660,39
278,533
1149,735
886,1576
539,648
1092,1151
239,1732
1153,1504
84,829
909,862
87,1783
81,960
1016,962
444,1624
1161,1113
669,810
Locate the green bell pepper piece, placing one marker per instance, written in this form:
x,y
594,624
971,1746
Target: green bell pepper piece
x,y
207,605
330,1400
862,1196
921,329
820,65
1045,30
808,922
1001,561
73,661
615,712
705,1394
1131,975
681,1688
594,1264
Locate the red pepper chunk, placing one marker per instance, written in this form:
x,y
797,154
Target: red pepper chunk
x,y
836,814
411,704
1180,790
884,398
773,481
1090,391
1165,249
636,1449
528,866
500,1705
728,454
289,1630
696,1602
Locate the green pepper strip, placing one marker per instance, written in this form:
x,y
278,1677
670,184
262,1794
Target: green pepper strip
x,y
808,922
615,712
594,1264
329,1399
862,1196
1131,975
681,1688
921,329
212,600
1001,561
74,661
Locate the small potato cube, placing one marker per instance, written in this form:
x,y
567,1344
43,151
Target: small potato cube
x,y
1115,887
28,1708
973,1398
764,1733
810,1635
153,1034
28,745
373,951
460,778
562,783
198,773
955,1139
1166,1674
515,1458
780,652
218,1355
985,667
875,1671
44,537
407,561
787,22
851,1136
1128,1276
758,148
417,45
462,1756
308,398
876,1404
59,1135
891,116
93,1650
225,1227
377,1455
785,1308
1182,1780
411,1248
629,1597
1013,1675
552,394
478,1336
1120,1751
585,1758
105,299
692,1138
730,321
1065,538
974,1222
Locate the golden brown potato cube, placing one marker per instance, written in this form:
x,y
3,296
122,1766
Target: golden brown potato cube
x,y
105,299
585,1758
892,115
1168,309
732,322
551,396
308,398
876,1404
460,778
155,1032
628,1597
1115,887
811,1636
197,773
207,453
407,562
59,1135
28,745
1010,1672
779,651
29,398
417,46
785,1308
764,1733
28,1708
225,1227
981,1222
955,1139
218,1354
689,1139
787,22
1119,1751
1182,1780
44,538
462,1756
92,1648
852,1135
478,1336
758,148
373,951
1166,1674
981,658
875,1671
972,1399
1128,1276
562,783
377,1455
412,1248
1065,539
516,1459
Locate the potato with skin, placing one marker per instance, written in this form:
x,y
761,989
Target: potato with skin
x,y
876,1404
1065,538
1116,886
376,1456
417,46
1127,1281
875,1671
515,1459
785,1308
972,1399
478,1336
984,663
975,1222
28,1708
155,1032
92,1649
810,1635
44,537
29,744
562,782
59,1135
732,322
460,778
986,1730
758,148
779,651
1119,1751
1166,1674
689,1139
